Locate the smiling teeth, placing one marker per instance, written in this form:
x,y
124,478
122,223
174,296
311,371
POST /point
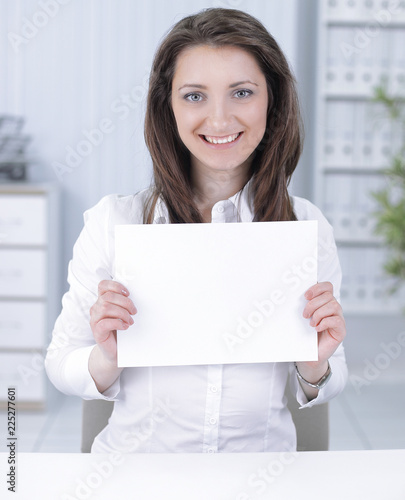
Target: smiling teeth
x,y
222,140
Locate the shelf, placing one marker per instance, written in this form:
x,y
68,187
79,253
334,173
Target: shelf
x,y
388,310
366,243
353,170
353,142
330,96
363,23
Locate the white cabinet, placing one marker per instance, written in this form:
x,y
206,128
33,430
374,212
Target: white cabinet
x,y
29,287
23,219
359,43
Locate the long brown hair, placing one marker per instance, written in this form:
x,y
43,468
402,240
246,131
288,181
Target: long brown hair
x,y
277,154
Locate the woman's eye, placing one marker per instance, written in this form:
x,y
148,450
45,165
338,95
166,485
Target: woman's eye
x,y
243,93
193,97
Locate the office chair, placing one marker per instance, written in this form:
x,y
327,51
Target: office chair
x,y
312,424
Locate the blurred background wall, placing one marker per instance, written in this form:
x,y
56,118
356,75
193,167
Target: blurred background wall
x,y
86,70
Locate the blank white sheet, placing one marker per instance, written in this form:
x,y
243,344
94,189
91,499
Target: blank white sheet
x,y
217,293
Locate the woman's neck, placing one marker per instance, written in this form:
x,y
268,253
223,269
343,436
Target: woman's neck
x,y
211,187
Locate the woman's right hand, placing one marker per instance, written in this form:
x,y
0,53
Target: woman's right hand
x,y
112,311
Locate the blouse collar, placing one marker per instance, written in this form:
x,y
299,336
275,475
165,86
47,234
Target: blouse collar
x,y
242,202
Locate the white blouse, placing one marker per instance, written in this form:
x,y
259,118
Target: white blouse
x,y
214,408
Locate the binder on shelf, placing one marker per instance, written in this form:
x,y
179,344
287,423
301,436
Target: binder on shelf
x,y
365,67
359,206
383,53
343,195
347,131
330,133
398,61
362,273
329,205
370,143
335,61
381,282
364,206
382,134
362,150
342,10
374,184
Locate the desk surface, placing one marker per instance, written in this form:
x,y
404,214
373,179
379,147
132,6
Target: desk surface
x,y
345,475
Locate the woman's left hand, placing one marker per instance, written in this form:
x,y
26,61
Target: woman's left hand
x,y
327,317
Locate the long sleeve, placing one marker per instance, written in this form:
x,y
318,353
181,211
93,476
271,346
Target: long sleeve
x,y
328,270
68,354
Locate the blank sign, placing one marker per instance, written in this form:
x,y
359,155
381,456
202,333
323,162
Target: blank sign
x,y
217,293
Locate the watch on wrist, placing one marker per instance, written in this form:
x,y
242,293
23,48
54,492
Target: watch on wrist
x,y
321,382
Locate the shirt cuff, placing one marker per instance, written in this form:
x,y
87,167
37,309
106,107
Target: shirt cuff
x,y
77,372
333,387
302,398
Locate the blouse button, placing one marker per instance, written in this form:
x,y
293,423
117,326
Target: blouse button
x,y
214,388
211,450
220,209
213,420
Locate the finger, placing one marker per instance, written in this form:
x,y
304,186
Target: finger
x,y
318,289
110,297
104,327
335,326
112,286
326,311
318,302
108,310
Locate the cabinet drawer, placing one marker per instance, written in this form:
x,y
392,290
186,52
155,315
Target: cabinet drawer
x,y
23,219
26,373
22,324
22,273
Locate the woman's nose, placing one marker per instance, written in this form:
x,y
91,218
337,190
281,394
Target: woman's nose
x,y
219,115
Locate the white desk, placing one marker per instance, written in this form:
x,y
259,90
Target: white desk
x,y
364,475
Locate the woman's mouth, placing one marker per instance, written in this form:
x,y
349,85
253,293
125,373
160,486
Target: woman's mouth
x,y
221,140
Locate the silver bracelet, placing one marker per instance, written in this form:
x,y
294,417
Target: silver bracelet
x,y
321,382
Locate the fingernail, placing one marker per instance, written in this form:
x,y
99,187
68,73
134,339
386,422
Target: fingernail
x,y
124,292
131,321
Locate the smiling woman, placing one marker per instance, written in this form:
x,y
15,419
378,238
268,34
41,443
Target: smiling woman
x,y
222,53
224,132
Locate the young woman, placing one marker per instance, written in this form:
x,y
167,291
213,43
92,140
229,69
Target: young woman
x,y
223,129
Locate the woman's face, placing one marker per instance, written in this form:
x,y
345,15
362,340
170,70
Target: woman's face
x,y
219,100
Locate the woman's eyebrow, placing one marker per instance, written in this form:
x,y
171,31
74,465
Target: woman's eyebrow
x,y
193,85
231,86
242,83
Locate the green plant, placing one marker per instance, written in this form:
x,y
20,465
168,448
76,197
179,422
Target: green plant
x,y
390,213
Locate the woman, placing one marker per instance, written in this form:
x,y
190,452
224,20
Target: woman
x,y
223,129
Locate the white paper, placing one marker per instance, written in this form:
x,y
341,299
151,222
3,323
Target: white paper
x,y
217,293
